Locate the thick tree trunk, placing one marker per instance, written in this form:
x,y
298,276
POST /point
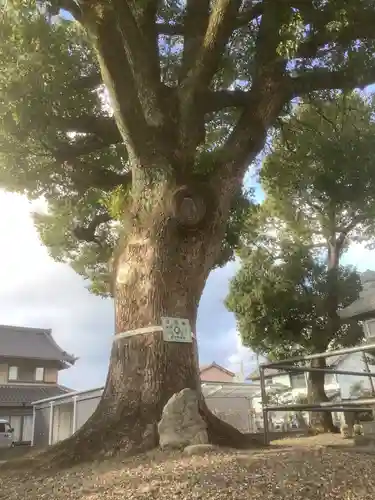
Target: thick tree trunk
x,y
316,394
160,271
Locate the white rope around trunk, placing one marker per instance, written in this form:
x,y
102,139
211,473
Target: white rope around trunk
x,y
138,331
143,331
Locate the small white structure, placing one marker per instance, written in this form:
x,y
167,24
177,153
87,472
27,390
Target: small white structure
x,y
55,419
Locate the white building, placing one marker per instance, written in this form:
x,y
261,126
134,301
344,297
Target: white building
x,y
288,388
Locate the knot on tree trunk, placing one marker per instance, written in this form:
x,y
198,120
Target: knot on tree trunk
x,y
190,206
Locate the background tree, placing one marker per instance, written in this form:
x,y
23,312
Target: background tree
x,y
280,303
194,88
320,180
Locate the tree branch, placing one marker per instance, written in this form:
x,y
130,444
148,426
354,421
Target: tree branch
x,y
199,73
219,29
66,152
346,230
321,79
246,16
267,96
119,79
197,13
85,177
103,127
137,27
217,100
268,39
88,232
71,6
359,27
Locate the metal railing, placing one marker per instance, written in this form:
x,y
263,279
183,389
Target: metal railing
x,y
283,366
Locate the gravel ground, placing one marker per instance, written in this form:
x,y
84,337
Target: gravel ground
x,y
294,469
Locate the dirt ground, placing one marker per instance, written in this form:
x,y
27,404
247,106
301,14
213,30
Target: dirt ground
x,y
320,467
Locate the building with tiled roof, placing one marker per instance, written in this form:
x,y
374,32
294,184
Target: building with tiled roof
x,y
30,362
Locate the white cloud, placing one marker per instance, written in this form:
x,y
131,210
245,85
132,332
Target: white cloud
x,y
241,358
360,257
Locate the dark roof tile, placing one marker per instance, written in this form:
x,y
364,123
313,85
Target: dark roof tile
x,y
26,394
36,343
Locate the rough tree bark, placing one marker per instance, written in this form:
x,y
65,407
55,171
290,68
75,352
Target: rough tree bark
x,y
160,270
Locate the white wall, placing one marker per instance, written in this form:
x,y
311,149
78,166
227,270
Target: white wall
x,y
301,391
283,379
353,362
62,421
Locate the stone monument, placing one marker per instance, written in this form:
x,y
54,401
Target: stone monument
x,y
181,424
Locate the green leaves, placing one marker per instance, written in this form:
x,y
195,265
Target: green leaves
x,y
57,138
321,170
280,303
59,141
319,180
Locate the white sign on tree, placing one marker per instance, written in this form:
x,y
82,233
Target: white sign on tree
x,y
176,330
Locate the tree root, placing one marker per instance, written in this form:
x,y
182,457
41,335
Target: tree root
x,y
221,433
100,438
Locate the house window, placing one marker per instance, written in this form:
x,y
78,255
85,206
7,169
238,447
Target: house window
x,y
13,373
39,374
26,374
298,381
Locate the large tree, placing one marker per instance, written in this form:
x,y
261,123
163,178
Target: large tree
x,y
194,87
319,183
280,302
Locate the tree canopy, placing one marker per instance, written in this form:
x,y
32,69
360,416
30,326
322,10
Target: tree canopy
x,y
280,303
59,138
319,183
59,141
319,178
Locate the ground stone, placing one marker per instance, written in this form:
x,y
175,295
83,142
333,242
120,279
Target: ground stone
x,y
346,431
199,449
181,424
